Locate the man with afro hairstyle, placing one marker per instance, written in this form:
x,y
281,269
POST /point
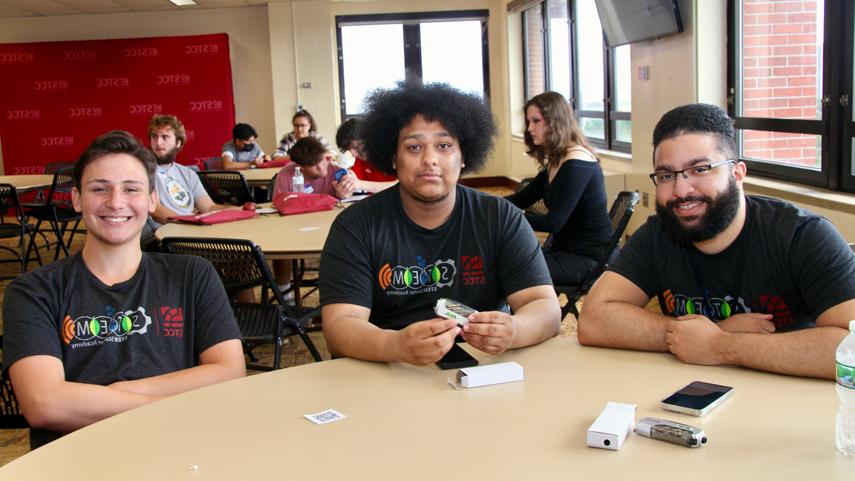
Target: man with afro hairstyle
x,y
389,258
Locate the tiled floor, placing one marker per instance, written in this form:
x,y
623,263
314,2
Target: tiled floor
x,y
14,443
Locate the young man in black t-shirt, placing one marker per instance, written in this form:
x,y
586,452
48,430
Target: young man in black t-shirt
x,y
389,258
742,280
112,328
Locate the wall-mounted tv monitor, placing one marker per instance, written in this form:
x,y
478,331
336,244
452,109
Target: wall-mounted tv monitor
x,y
629,21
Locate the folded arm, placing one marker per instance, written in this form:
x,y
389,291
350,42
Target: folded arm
x,y
48,401
613,316
221,362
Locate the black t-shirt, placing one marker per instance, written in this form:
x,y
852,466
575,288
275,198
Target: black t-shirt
x,y
578,214
786,261
159,321
376,257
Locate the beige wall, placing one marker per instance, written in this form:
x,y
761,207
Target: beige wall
x,y
248,42
310,46
278,47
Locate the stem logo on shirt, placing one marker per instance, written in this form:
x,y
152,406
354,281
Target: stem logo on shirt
x,y
86,331
423,277
715,309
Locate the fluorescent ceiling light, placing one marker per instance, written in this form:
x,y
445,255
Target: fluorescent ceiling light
x,y
182,3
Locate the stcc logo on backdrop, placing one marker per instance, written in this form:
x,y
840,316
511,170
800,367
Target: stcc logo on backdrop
x,y
202,49
64,93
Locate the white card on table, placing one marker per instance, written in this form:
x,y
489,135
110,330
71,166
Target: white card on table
x,y
324,417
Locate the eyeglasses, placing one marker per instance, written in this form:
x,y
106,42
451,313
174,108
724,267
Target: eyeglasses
x,y
667,177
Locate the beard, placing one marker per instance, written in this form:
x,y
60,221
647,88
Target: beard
x,y
720,213
168,157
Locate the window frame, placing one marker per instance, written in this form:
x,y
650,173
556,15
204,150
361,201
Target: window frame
x,y
835,128
412,43
609,115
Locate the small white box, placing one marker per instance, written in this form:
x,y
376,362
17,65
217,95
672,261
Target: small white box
x,y
612,426
490,374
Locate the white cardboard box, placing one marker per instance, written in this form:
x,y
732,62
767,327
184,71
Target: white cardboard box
x,y
489,374
612,426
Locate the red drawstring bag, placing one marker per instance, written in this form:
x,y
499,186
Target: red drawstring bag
x,y
216,217
299,203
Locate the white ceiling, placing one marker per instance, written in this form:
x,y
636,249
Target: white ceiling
x,y
35,8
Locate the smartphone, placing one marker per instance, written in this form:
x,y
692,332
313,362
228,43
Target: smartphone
x,y
456,358
697,399
340,173
453,310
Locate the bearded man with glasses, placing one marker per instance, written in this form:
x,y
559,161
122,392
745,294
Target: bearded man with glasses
x,y
741,280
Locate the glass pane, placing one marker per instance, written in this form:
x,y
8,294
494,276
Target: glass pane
x,y
795,150
852,159
593,128
589,38
781,60
534,69
451,53
623,79
361,46
624,131
559,48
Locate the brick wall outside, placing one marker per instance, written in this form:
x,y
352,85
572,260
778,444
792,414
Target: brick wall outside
x,y
780,76
534,52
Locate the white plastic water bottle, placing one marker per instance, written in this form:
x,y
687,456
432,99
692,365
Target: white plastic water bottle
x,y
845,437
297,180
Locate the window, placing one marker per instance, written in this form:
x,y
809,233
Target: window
x,y
789,93
595,79
448,47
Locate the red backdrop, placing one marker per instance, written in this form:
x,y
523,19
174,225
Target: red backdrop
x,y
56,97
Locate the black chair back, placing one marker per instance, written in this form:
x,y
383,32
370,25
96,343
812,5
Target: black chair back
x,y
241,265
227,187
10,411
619,214
19,229
57,210
271,185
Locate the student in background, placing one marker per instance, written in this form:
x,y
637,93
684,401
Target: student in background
x,y
313,160
243,152
570,183
179,190
85,337
369,179
304,126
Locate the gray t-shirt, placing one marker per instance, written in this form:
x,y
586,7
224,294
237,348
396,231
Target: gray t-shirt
x,y
376,257
787,261
230,150
179,188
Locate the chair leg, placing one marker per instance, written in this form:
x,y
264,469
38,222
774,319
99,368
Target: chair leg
x,y
31,245
310,345
277,353
570,307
